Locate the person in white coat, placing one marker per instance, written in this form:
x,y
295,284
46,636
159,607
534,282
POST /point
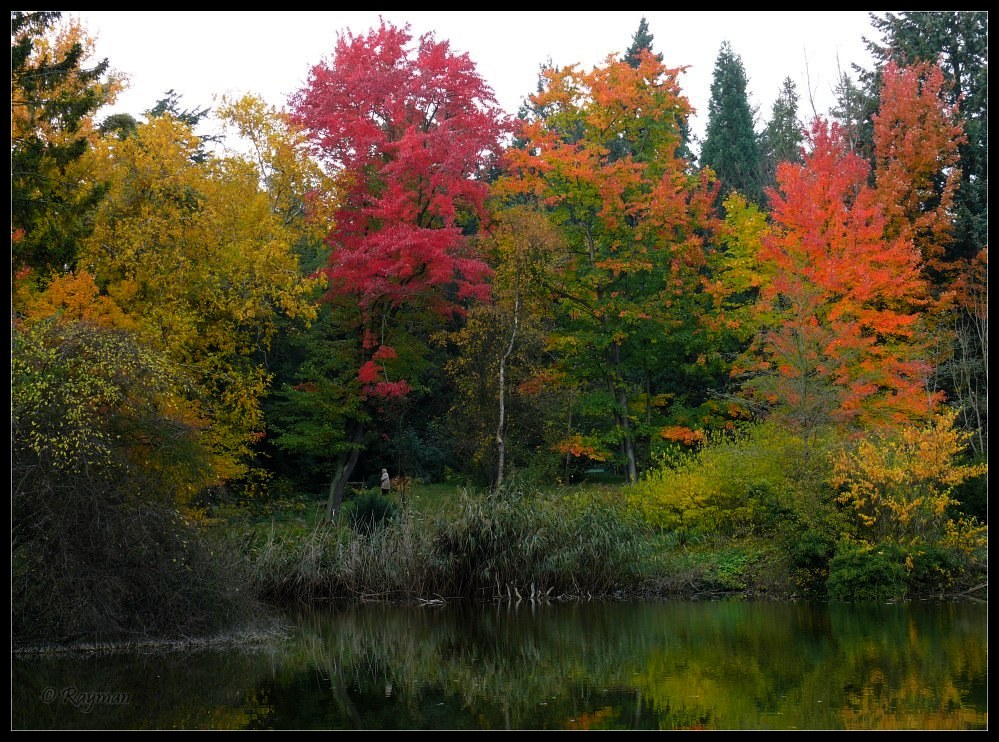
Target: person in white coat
x,y
386,482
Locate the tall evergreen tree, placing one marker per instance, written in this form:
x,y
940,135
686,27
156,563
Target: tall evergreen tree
x,y
642,40
855,104
782,138
169,105
730,145
52,98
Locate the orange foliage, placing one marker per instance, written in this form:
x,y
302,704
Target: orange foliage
x,y
684,435
71,297
842,306
587,720
916,139
577,446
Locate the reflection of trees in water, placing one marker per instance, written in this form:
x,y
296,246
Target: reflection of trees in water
x,y
721,664
670,665
913,666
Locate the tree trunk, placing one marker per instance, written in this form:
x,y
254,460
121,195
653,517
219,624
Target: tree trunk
x,y
628,442
344,468
621,397
500,442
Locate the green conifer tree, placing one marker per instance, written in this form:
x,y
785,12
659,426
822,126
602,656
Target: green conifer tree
x,y
730,145
51,95
782,138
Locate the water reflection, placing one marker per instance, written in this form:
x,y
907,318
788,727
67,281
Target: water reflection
x,y
670,665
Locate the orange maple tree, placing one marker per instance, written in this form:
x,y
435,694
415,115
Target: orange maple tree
x,y
602,155
842,343
916,139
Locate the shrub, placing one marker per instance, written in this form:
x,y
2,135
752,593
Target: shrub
x,y
899,484
757,480
862,572
933,570
98,550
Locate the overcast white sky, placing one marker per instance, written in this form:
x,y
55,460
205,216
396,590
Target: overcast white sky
x,y
203,54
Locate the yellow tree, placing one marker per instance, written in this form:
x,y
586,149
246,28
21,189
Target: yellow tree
x,y
198,256
899,484
298,189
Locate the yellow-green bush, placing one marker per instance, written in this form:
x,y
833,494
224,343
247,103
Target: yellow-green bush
x,y
755,480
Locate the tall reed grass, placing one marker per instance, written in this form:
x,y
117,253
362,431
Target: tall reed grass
x,y
515,544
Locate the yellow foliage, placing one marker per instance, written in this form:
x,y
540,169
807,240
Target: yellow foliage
x,y
296,184
899,484
199,260
705,491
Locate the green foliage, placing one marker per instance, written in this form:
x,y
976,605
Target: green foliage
x,y
52,98
861,572
499,545
519,538
811,550
730,146
603,158
315,394
936,570
971,498
727,570
783,137
891,572
640,42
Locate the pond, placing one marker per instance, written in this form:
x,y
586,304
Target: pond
x,y
673,665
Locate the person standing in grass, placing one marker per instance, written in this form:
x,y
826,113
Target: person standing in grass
x,y
386,482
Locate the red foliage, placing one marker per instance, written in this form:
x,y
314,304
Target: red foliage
x,y
412,130
368,373
384,353
389,389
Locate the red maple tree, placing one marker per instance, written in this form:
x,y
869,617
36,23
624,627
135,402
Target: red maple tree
x,y
411,130
412,133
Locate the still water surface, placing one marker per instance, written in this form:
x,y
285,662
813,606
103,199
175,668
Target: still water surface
x,y
652,665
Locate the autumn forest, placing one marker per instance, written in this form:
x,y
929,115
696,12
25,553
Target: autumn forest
x,y
596,346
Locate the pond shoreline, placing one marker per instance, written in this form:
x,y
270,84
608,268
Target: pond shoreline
x,y
277,630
